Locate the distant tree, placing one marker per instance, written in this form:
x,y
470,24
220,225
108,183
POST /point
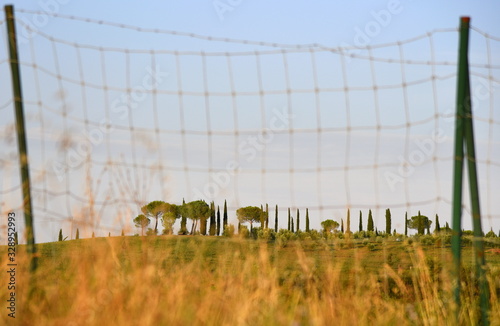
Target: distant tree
x,y
388,221
249,214
109,234
141,221
16,239
93,235
293,229
198,210
267,216
491,234
154,209
298,220
289,218
77,234
228,231
406,224
370,221
360,221
183,230
60,235
262,217
419,223
218,220
213,227
329,226
307,220
446,228
171,212
123,233
276,219
348,223
151,232
341,225
438,227
225,215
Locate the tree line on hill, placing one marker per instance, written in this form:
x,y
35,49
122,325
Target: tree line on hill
x,y
206,220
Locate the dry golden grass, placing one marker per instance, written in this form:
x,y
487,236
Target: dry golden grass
x,y
209,281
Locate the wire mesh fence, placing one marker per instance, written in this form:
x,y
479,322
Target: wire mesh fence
x,y
122,115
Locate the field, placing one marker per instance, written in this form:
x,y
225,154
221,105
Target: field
x,y
195,280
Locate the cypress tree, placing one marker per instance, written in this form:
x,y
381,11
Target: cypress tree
x,y
262,217
438,227
307,220
298,220
109,234
203,226
421,226
342,225
60,235
388,221
123,233
183,225
348,223
218,221
289,224
224,220
370,221
267,216
93,235
276,219
77,234
183,219
406,224
212,219
291,221
360,221
16,240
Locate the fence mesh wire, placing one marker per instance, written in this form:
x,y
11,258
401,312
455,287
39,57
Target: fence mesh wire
x,y
121,115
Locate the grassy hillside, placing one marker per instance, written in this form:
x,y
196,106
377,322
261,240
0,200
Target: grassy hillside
x,y
219,281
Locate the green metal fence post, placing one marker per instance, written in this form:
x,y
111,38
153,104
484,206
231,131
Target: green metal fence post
x,y
464,135
21,134
459,158
476,213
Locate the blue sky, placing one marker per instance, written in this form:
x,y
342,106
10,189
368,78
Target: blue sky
x,y
328,156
